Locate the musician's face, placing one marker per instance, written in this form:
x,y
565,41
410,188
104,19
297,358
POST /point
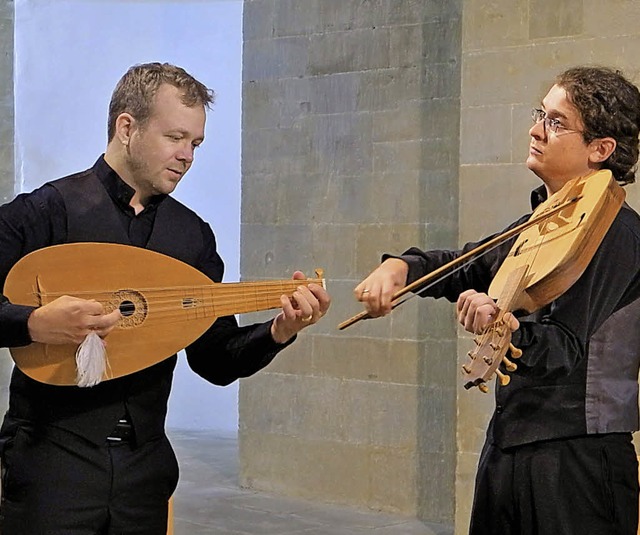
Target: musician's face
x,y
161,151
557,157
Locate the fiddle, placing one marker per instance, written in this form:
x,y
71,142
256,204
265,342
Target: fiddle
x,y
552,250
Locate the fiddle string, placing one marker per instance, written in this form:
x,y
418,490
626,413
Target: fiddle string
x,y
422,289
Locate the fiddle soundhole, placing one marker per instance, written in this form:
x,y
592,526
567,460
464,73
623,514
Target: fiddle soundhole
x,y
133,307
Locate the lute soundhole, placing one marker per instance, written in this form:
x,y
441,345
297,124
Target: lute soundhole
x,y
133,307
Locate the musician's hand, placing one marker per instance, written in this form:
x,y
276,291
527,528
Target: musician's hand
x,y
376,290
68,320
306,306
477,310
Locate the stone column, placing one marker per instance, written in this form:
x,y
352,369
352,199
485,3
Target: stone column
x,y
350,149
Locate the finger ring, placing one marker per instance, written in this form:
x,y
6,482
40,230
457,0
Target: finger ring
x,y
365,292
307,319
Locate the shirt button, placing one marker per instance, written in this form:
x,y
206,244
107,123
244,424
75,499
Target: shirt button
x,y
499,409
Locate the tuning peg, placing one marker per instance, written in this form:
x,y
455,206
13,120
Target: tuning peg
x,y
515,352
511,366
483,388
466,369
504,379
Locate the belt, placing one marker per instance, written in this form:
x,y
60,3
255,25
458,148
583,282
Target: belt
x,y
122,433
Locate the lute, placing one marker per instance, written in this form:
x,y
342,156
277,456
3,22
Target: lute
x,y
165,303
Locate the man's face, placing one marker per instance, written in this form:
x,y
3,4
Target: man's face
x,y
161,151
561,156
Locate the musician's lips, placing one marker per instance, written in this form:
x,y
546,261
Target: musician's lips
x,y
177,173
534,151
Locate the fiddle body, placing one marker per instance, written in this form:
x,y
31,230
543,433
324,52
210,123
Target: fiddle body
x,y
543,263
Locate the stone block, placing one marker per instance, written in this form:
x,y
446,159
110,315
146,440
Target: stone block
x,y
273,251
275,103
415,11
439,364
439,200
621,19
384,89
441,80
333,249
342,143
335,93
308,469
349,51
391,470
258,19
475,145
555,19
256,208
499,195
436,485
500,23
368,359
295,17
285,57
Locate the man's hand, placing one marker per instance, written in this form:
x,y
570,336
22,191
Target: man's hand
x,y
376,290
68,320
477,310
306,306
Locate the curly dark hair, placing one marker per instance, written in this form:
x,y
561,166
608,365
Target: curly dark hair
x,y
609,106
135,91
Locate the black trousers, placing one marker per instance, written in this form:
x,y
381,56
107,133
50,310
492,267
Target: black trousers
x,y
583,486
60,484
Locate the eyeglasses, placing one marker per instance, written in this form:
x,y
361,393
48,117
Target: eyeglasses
x,y
552,125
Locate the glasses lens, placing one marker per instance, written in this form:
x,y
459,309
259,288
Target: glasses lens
x,y
537,115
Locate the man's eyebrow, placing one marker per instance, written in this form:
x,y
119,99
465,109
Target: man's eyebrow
x,y
554,113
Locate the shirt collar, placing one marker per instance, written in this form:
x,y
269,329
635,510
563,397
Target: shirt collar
x,y
118,189
538,196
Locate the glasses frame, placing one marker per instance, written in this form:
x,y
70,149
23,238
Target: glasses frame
x,y
538,115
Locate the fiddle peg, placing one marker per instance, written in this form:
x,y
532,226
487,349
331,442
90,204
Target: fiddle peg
x,y
466,369
511,366
504,379
515,352
483,388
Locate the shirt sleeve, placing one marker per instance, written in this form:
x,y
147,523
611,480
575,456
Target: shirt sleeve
x,y
226,351
29,222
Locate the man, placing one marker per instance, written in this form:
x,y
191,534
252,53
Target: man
x,y
96,460
558,456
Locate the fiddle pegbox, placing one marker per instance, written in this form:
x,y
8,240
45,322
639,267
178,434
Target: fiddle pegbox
x,y
490,352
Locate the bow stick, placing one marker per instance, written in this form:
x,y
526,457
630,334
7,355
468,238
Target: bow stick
x,y
464,259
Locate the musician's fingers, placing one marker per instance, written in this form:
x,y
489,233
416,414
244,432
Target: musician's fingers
x,y
298,275
308,304
484,314
476,311
323,297
465,300
511,321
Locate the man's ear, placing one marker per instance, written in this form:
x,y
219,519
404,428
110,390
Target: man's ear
x,y
602,148
125,127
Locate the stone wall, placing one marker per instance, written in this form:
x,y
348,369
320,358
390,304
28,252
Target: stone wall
x,y
350,149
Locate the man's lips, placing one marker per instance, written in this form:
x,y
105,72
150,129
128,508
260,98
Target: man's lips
x,y
534,150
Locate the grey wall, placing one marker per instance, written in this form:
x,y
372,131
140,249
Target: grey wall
x,y
350,148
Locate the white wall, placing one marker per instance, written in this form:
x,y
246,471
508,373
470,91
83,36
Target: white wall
x,y
69,54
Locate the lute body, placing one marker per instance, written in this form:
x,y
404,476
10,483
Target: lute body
x,y
166,304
